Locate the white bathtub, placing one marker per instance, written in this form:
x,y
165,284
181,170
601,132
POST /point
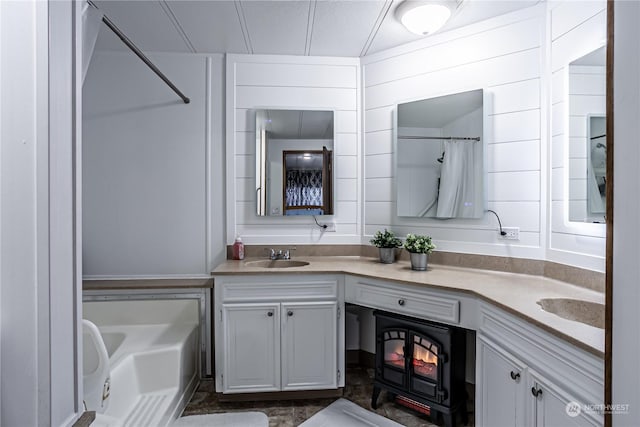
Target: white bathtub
x,y
153,366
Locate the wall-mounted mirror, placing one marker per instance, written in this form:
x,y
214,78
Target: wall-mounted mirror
x,y
294,162
440,157
587,137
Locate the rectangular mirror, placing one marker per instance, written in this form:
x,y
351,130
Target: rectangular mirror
x,y
294,162
587,137
440,157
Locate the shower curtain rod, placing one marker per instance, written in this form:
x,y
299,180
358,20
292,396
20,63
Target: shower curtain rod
x,y
140,55
454,138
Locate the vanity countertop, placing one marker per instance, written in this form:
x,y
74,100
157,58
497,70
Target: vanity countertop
x,y
515,293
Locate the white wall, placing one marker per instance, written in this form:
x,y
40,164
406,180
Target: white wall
x,y
626,206
505,57
291,82
576,28
40,382
417,170
153,166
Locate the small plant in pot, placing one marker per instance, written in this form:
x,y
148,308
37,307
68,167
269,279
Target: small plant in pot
x,y
387,243
419,247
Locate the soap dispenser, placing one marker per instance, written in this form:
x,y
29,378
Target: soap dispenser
x,y
238,249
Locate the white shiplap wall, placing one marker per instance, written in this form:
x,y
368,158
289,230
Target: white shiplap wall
x,y
505,57
576,28
292,82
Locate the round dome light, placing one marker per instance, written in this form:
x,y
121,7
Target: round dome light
x,y
421,18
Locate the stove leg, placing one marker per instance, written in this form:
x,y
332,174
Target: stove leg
x,y
374,397
465,416
449,420
435,416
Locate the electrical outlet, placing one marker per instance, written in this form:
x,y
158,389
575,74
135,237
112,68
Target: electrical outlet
x,y
331,226
513,233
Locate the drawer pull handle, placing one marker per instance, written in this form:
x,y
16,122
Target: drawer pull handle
x,y
400,302
515,375
536,391
270,313
290,313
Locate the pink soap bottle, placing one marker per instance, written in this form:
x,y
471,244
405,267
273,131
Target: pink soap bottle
x,y
238,249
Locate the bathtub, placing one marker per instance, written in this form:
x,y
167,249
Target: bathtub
x,y
152,349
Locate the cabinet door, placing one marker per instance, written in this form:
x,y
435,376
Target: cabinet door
x,y
251,347
500,387
554,407
309,345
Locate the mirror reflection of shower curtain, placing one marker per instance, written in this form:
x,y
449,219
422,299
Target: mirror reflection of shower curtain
x,y
304,188
91,21
458,196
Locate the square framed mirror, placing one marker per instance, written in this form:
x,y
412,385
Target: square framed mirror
x,y
294,162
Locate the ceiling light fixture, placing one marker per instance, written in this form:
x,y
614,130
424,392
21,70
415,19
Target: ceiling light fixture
x,y
424,17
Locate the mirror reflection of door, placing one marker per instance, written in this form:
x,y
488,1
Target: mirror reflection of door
x,y
596,167
327,187
587,138
307,181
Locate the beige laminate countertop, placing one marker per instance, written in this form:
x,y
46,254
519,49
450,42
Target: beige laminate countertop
x,y
515,293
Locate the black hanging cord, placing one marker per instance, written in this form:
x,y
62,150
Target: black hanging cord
x,y
323,226
502,233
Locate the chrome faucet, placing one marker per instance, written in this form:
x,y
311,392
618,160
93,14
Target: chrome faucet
x,y
279,254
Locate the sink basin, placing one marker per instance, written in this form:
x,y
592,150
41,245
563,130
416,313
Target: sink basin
x,y
277,263
589,313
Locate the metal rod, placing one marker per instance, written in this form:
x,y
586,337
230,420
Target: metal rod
x,y
141,55
454,138
599,136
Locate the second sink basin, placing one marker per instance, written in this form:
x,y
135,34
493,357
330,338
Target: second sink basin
x,y
587,312
277,263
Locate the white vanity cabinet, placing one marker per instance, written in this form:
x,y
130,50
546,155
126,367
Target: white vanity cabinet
x,y
309,344
531,378
279,333
251,336
502,382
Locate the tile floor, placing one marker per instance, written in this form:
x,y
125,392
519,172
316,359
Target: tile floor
x,y
290,413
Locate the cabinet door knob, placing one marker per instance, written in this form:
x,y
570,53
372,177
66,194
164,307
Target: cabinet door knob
x,y
515,375
289,313
400,302
270,313
536,391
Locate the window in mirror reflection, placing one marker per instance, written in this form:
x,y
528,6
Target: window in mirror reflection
x,y
439,157
294,155
587,137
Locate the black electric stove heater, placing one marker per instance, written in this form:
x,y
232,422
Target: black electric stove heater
x,y
422,365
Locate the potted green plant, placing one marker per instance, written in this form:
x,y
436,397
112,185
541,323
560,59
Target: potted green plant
x,y
419,247
387,243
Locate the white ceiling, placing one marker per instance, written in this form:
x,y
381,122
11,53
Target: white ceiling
x,y
597,57
438,112
293,27
299,124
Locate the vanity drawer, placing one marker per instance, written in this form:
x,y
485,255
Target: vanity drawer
x,y
281,290
405,300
